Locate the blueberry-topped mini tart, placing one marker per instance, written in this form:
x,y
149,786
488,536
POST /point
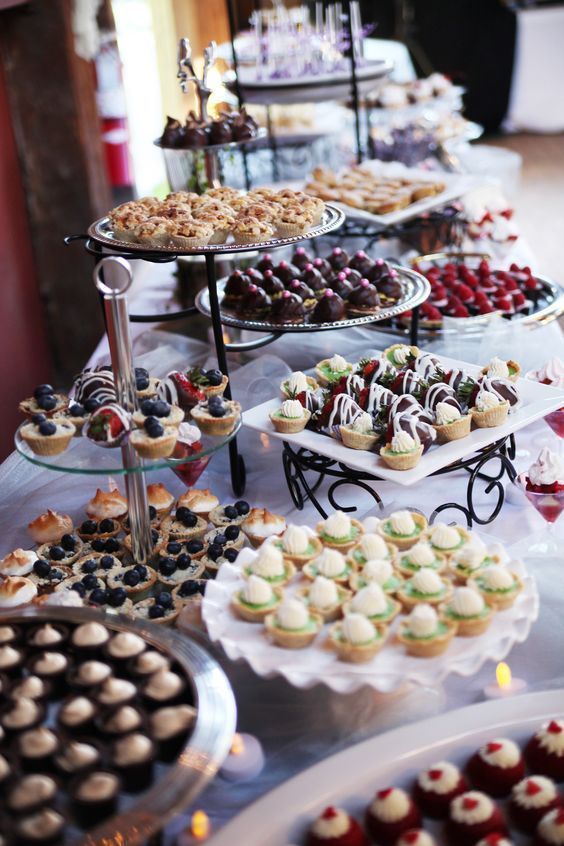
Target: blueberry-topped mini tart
x,y
222,515
211,382
163,412
137,581
154,439
217,555
189,591
158,538
217,415
184,524
47,635
106,528
170,727
230,535
65,552
47,576
85,586
132,756
187,550
44,401
30,793
77,756
94,796
111,546
99,563
161,609
172,571
36,749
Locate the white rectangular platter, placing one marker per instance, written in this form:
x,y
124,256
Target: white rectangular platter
x,y
350,778
536,402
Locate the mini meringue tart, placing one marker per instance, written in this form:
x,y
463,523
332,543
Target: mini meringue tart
x,y
298,546
467,608
255,600
326,597
425,586
50,527
424,634
331,564
355,639
372,546
448,539
339,531
16,591
421,555
293,625
373,603
499,586
19,562
200,501
260,523
107,504
159,498
403,528
271,566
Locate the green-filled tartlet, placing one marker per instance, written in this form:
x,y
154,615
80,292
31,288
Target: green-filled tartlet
x,y
371,547
421,555
424,634
271,566
425,586
298,546
293,625
467,608
255,600
355,639
338,531
374,603
330,370
331,564
448,539
499,587
403,528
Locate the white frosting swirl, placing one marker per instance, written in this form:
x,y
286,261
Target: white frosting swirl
x,y
469,557
416,837
93,672
126,645
256,591
363,424
50,662
292,615
331,564
551,737
23,713
444,537
440,778
466,602
401,354
370,601
497,368
8,656
357,629
90,634
132,749
423,621
534,792
337,525
297,383
497,578
547,469
332,823
337,364
421,554
390,805
292,409
46,635
373,546
551,827
323,593
402,523
501,752
446,413
403,442
471,808
486,400
377,570
295,540
426,581
269,563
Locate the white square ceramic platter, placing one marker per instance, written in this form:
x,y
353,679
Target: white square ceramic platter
x,y
537,401
388,671
349,779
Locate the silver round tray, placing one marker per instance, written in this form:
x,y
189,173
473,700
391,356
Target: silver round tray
x,y
417,289
101,232
259,139
207,746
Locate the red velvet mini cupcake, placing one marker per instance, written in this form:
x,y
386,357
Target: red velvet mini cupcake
x,y
336,828
531,799
416,837
495,839
545,750
436,787
391,813
496,767
550,830
473,816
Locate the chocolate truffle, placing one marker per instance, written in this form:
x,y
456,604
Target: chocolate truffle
x,y
313,277
173,133
220,132
265,263
361,262
363,299
254,303
286,272
338,283
300,288
271,283
330,308
300,258
287,308
338,258
323,266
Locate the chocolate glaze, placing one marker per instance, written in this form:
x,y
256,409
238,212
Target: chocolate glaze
x,y
330,307
271,283
288,308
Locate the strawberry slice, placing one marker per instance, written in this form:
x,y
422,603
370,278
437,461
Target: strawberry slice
x,y
192,393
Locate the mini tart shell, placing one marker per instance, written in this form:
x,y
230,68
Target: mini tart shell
x,y
288,639
101,535
380,619
29,406
498,600
276,581
455,430
322,378
173,529
402,542
161,447
460,577
256,614
258,540
218,518
401,460
215,390
392,555
167,620
311,573
491,416
464,535
151,391
334,543
357,581
428,647
217,425
290,425
43,549
334,612
300,559
410,571
357,440
408,602
311,382
512,365
386,354
100,573
467,626
195,575
238,543
174,418
137,592
356,653
48,444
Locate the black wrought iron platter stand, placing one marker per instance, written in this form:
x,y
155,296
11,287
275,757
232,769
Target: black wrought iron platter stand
x,y
298,462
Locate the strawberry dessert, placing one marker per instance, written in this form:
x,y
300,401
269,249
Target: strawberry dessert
x,y
334,827
436,787
531,799
496,767
495,839
473,816
416,837
544,485
544,752
391,813
552,373
550,830
108,425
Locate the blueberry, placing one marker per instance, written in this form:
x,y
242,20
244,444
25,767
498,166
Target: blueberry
x,y
89,527
156,611
162,409
38,418
79,588
56,553
220,539
47,428
110,545
141,371
194,546
231,512
214,551
183,561
242,507
43,390
174,547
182,512
232,532
218,411
153,428
152,512
148,407
47,402
188,588
98,545
214,377
77,410
142,383
106,562
231,554
99,596
186,517
68,542
154,535
91,404
216,399
56,575
142,570
164,599
89,566
131,578
167,566
89,581
116,597
107,526
41,568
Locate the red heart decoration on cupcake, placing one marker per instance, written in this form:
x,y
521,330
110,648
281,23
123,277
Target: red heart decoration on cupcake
x,y
494,746
532,788
410,837
329,813
383,794
554,727
468,803
435,775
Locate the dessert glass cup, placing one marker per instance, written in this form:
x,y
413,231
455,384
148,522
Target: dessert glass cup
x,y
555,419
550,506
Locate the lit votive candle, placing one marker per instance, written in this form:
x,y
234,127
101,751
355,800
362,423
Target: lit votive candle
x,y
245,759
505,684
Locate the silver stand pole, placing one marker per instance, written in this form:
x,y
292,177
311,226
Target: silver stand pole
x,y
112,277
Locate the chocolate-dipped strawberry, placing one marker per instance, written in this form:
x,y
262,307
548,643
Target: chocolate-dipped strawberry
x,y
338,258
287,308
108,425
363,299
374,369
437,393
375,398
361,262
312,277
407,382
338,283
271,283
459,380
94,384
323,266
407,404
195,135
177,389
300,258
352,385
330,308
173,133
244,126
254,303
414,426
300,288
425,364
286,272
502,388
220,132
339,410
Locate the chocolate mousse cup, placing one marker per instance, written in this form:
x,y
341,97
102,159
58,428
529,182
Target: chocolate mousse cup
x,y
164,688
36,750
88,675
9,635
147,663
77,715
88,639
30,793
132,756
19,715
44,828
120,721
78,756
94,797
46,637
31,687
123,648
51,666
11,661
170,728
